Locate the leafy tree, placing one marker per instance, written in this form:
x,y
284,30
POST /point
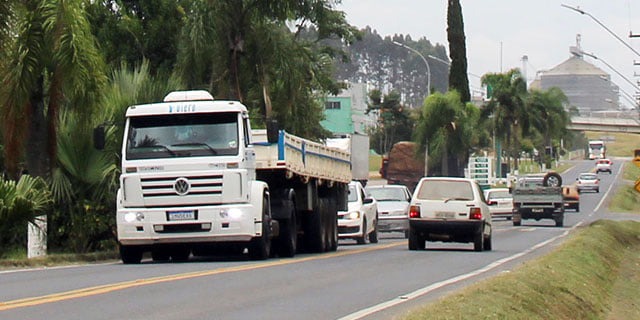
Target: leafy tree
x,y
458,79
20,203
447,127
394,121
251,55
506,109
52,61
548,117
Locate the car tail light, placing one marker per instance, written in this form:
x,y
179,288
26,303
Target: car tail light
x,y
475,213
491,202
414,212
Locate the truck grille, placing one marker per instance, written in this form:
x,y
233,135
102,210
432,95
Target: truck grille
x,y
191,185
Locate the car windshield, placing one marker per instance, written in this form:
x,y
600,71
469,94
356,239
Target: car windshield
x,y
445,190
588,176
388,194
192,135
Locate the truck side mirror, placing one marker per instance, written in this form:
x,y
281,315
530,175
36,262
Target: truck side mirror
x,y
99,138
272,130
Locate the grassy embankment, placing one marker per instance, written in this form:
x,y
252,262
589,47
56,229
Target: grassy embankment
x,y
593,275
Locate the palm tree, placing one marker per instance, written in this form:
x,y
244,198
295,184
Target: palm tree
x,y
52,64
548,115
507,109
20,203
446,127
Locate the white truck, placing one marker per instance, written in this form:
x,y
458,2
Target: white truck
x,y
358,145
197,180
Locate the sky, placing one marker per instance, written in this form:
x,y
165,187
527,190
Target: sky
x,y
499,33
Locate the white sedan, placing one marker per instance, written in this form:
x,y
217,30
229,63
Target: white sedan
x,y
500,202
393,207
360,221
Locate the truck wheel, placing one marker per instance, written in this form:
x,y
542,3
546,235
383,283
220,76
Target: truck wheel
x,y
517,219
130,254
260,248
559,221
478,241
373,236
333,235
287,242
415,243
363,238
314,230
552,179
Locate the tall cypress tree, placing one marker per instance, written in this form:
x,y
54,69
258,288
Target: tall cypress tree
x,y
458,79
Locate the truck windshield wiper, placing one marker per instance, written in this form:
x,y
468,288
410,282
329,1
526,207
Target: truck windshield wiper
x,y
162,146
197,144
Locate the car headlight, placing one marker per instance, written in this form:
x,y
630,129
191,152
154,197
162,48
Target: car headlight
x,y
354,215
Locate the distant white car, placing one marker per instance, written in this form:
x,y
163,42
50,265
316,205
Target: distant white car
x,y
360,221
449,210
603,165
588,181
500,202
393,207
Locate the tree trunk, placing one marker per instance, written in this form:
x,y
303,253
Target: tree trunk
x,y
37,152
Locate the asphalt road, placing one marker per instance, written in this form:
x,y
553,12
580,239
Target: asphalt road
x,y
372,281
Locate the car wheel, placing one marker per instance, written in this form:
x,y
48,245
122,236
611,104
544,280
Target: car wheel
x,y
478,241
373,236
598,190
363,238
415,243
559,221
406,234
517,219
577,208
487,243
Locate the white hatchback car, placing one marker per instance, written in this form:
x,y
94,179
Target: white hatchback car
x,y
449,210
500,202
360,221
393,207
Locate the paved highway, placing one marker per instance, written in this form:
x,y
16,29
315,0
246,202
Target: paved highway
x,y
372,281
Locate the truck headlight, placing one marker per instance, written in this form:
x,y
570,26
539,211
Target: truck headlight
x,y
231,213
354,215
133,217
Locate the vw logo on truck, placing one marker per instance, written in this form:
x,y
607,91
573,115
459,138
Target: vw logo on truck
x,y
181,186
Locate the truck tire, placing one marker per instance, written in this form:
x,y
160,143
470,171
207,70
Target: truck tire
x,y
559,220
315,230
260,248
363,238
287,242
517,219
373,235
478,241
130,254
552,179
333,235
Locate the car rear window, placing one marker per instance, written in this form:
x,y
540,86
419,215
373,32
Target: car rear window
x,y
445,189
499,194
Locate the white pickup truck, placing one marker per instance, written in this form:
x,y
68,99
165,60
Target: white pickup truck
x,y
197,180
538,196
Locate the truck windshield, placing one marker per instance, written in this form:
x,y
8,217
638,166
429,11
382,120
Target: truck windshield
x,y
185,135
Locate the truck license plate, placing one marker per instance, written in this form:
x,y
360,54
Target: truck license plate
x,y
181,215
537,210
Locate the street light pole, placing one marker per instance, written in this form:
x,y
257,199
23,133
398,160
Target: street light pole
x,y
426,63
602,25
423,59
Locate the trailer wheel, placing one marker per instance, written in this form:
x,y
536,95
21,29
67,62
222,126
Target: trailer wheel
x,y
552,179
333,235
315,233
130,254
287,242
260,248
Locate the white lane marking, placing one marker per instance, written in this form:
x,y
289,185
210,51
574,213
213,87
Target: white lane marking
x,y
604,197
420,292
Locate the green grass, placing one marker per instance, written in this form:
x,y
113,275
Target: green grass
x,y
19,259
626,198
585,278
375,161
